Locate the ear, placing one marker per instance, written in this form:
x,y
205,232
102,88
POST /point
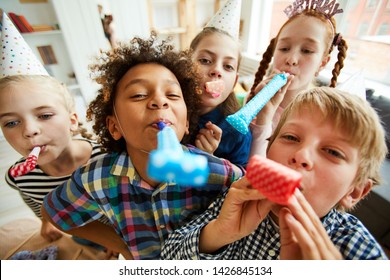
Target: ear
x,y
113,127
356,194
74,122
324,61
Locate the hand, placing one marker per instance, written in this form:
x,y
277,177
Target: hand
x,y
302,235
242,211
110,253
50,232
208,138
267,113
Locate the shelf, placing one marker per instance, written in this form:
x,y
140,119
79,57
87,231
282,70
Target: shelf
x,y
172,30
40,33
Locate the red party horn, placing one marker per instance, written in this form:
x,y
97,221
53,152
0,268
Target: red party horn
x,y
274,180
26,166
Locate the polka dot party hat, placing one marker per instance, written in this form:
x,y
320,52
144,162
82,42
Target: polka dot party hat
x,y
17,57
228,18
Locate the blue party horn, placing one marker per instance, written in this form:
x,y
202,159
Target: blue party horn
x,y
169,163
243,117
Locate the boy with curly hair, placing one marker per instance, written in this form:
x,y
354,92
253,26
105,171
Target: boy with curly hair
x,y
143,83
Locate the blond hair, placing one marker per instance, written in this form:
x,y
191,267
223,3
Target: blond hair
x,y
51,85
352,115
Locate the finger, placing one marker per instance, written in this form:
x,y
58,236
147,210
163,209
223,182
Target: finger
x,y
313,226
304,239
210,136
286,236
216,130
244,185
204,143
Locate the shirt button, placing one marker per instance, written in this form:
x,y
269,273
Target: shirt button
x,y
271,253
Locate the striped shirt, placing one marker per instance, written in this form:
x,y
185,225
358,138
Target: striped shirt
x,y
36,184
143,216
347,233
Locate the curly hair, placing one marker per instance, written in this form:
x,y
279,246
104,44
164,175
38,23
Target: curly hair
x,y
112,65
342,48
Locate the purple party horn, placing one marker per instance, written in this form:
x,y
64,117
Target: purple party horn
x,y
242,118
169,163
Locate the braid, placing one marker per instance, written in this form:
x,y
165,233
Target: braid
x,y
85,133
342,48
264,63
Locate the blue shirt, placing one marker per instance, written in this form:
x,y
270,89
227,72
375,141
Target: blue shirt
x,y
234,145
347,233
142,215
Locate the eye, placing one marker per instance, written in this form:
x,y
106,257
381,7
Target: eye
x,y
138,96
283,49
204,61
45,116
173,95
334,153
290,137
11,124
306,51
229,67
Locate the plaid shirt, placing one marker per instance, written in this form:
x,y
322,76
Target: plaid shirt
x,y
347,233
143,216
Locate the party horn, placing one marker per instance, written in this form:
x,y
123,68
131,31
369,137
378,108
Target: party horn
x,y
274,180
169,163
26,166
242,118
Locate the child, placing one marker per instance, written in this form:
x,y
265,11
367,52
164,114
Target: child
x,y
217,50
38,110
142,84
302,48
336,141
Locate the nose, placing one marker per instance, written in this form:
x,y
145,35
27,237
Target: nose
x,y
302,158
159,101
292,59
31,129
215,72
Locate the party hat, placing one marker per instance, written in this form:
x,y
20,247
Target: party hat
x,y
17,58
228,18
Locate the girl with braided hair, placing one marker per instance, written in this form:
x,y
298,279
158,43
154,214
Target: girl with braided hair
x,y
301,48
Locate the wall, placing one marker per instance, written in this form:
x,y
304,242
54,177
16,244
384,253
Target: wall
x,y
43,13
